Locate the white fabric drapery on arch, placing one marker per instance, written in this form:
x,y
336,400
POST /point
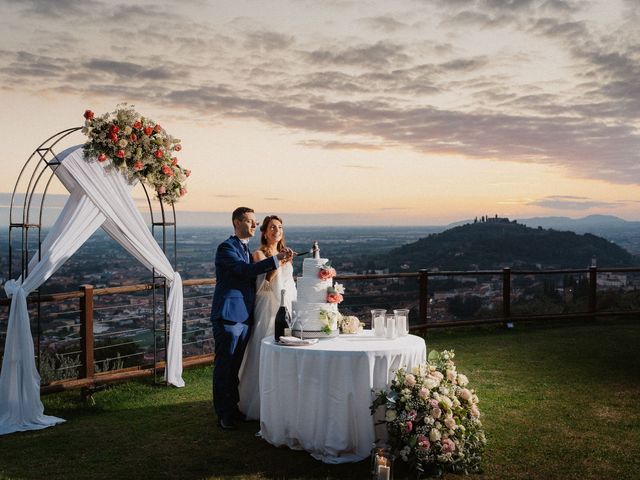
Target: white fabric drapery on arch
x,y
98,197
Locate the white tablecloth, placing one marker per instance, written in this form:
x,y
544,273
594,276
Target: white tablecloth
x,y
317,398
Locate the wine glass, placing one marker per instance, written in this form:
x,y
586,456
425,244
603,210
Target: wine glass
x,y
302,321
290,320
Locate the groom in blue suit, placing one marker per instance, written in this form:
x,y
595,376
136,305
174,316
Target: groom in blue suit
x,y
232,311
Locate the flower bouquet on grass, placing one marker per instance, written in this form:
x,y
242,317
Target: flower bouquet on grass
x,y
137,146
432,418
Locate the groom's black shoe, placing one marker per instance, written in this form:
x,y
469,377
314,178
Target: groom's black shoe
x,y
226,423
238,416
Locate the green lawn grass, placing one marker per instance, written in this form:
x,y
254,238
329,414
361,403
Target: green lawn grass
x,y
559,401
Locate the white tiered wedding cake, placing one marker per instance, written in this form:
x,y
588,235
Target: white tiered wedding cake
x,y
315,312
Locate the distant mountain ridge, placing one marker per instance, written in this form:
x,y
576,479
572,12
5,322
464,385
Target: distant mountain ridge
x,y
495,244
590,223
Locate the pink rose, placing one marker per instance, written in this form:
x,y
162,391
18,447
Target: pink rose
x,y
159,153
448,445
408,426
423,442
436,413
166,169
475,413
409,379
465,394
451,375
423,393
187,173
324,274
120,154
158,128
174,161
161,189
102,157
183,192
138,166
433,402
449,422
88,114
177,147
334,298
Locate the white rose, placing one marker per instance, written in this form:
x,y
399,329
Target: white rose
x,y
451,375
122,143
127,130
430,383
390,416
434,435
447,401
462,380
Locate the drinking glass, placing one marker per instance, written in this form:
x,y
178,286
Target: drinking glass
x,y
390,325
301,320
402,321
290,321
377,321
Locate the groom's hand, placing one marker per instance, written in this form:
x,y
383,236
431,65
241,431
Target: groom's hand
x,y
285,255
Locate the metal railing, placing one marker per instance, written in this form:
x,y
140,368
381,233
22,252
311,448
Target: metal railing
x,y
423,321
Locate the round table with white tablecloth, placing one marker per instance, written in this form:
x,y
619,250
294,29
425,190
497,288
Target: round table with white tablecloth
x,y
317,397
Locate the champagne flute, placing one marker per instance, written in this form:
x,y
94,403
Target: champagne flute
x,y
302,321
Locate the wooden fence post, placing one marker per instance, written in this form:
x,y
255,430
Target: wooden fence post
x,y
593,290
506,293
424,296
86,331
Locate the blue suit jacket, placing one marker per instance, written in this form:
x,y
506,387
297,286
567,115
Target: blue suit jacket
x,y
235,291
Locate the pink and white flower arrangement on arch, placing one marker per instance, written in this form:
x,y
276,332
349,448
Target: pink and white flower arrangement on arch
x,y
432,418
139,147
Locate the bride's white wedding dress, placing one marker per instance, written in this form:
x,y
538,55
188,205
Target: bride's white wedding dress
x,y
264,313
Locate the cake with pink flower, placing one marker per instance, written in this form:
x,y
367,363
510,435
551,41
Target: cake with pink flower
x,y
315,312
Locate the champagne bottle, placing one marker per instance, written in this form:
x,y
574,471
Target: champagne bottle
x,y
282,318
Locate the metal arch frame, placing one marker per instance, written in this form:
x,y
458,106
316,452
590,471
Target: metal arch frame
x,y
46,157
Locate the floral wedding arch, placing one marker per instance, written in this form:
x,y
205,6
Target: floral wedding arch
x,y
122,149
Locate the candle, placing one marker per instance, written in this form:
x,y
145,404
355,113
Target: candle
x,y
382,467
401,325
378,326
384,472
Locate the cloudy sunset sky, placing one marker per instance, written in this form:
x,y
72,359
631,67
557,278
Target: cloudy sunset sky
x,y
398,112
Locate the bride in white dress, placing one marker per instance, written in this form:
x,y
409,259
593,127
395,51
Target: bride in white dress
x,y
268,287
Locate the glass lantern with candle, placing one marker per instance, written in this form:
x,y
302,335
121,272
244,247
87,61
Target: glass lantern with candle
x,y
382,463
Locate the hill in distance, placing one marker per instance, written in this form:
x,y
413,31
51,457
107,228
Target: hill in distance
x,y
500,243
